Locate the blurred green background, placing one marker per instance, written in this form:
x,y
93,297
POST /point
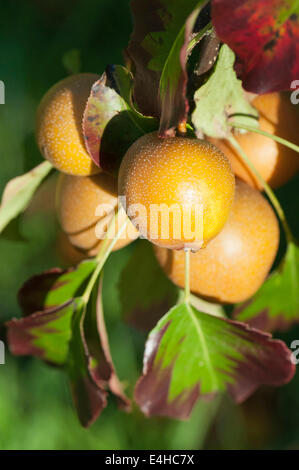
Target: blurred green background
x,y
39,41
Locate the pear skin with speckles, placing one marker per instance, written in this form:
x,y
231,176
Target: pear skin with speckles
x,y
235,263
85,207
59,125
190,180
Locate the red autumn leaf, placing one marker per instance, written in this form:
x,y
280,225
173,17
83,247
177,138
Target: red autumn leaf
x,y
265,38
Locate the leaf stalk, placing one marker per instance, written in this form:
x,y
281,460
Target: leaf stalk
x,y
268,190
103,255
257,130
187,275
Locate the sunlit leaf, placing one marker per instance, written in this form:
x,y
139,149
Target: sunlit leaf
x,y
47,301
265,37
19,192
221,97
190,354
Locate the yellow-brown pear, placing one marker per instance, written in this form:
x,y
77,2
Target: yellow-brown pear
x,y
85,206
234,265
59,125
190,175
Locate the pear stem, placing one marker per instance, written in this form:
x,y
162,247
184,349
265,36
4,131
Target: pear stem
x,y
182,128
187,275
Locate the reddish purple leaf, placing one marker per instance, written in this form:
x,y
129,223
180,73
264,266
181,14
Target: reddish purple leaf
x,y
103,104
262,320
47,303
273,365
88,399
43,334
265,38
53,288
32,294
111,123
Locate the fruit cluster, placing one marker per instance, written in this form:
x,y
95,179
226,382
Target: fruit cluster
x,y
235,243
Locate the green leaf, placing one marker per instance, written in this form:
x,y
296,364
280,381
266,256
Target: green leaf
x,y
276,305
19,191
12,231
173,81
221,97
72,61
124,86
59,327
44,334
190,354
47,300
145,292
54,287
